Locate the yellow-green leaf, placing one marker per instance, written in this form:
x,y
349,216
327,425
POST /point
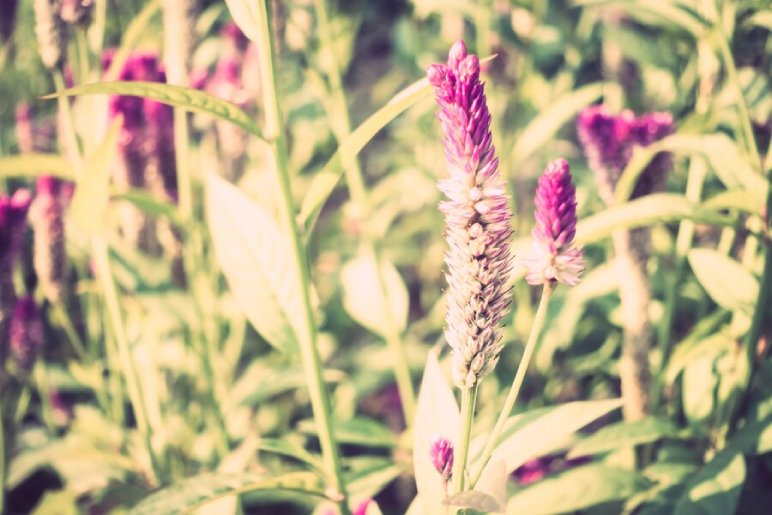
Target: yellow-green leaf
x,y
35,165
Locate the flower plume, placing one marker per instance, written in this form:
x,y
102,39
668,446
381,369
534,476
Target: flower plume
x,y
555,259
477,219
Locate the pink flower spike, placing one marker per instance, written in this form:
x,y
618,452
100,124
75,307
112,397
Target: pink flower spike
x,y
477,219
441,454
555,259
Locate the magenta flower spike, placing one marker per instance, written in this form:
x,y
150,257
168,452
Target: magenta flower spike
x,y
441,454
26,333
555,259
608,143
477,219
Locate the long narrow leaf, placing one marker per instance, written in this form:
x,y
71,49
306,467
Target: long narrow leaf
x,y
176,96
35,165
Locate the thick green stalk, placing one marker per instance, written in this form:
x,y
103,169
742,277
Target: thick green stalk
x,y
359,196
461,453
312,363
517,383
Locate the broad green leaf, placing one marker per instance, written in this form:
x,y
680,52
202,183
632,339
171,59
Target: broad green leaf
x,y
35,165
716,489
474,500
698,388
364,286
324,182
197,491
623,434
729,284
130,37
92,194
644,211
246,15
761,19
254,254
436,416
544,126
177,96
545,430
150,205
490,492
357,431
689,351
58,502
575,489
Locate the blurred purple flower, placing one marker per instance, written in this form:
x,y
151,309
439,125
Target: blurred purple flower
x,y
477,219
608,143
555,259
26,333
13,216
537,468
47,220
441,453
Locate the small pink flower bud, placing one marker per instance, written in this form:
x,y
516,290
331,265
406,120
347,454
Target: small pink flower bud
x,y
441,454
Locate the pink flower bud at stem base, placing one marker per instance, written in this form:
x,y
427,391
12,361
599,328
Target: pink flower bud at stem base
x,y
441,454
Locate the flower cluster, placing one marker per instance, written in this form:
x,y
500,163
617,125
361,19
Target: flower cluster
x,y
609,140
47,220
555,259
477,218
25,333
13,220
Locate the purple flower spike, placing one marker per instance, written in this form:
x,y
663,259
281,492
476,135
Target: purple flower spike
x,y
441,454
608,143
477,219
555,259
26,333
13,216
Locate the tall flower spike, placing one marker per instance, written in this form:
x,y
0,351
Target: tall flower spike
x,y
477,219
13,219
555,258
50,253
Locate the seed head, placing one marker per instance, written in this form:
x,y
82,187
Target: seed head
x,y
48,29
477,219
555,259
47,220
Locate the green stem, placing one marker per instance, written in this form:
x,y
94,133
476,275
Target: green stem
x,y
517,383
110,293
734,77
461,453
359,196
274,131
71,140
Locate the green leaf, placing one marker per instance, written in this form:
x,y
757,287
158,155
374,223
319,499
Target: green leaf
x,y
475,500
290,449
665,11
58,502
130,37
545,430
761,19
623,434
92,194
729,284
35,165
690,351
754,437
644,211
246,15
177,96
363,295
575,489
368,475
437,416
324,182
150,205
739,199
544,126
716,489
357,431
253,252
197,491
640,159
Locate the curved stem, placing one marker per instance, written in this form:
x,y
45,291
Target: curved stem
x,y
274,131
517,383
